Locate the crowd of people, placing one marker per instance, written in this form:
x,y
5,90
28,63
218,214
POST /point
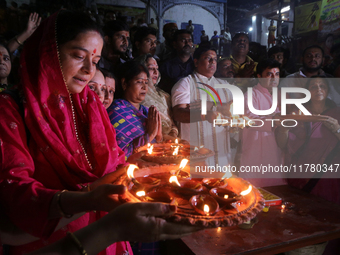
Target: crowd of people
x,y
90,93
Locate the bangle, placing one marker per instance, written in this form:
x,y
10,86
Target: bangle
x,y
17,40
77,243
61,211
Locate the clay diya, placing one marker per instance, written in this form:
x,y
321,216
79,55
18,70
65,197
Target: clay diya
x,y
214,183
185,187
224,196
148,181
159,196
204,204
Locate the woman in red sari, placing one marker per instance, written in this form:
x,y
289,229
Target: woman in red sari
x,y
61,140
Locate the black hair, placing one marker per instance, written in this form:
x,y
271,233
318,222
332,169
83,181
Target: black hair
x,y
202,49
6,47
128,71
107,73
239,34
323,77
313,46
113,26
276,49
143,58
180,32
266,63
72,23
142,32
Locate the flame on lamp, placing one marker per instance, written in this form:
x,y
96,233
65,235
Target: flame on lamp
x,y
150,149
226,196
176,141
175,151
293,113
130,170
247,191
183,163
206,209
140,193
173,179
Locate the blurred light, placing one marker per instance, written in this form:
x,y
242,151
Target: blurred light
x,y
254,18
284,9
250,29
267,33
283,17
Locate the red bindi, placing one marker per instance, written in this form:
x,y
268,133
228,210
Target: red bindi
x,y
94,51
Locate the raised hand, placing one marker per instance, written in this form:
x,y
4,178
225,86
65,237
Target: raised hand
x,y
152,123
33,22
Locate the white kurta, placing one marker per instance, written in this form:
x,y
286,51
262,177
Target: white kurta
x,y
217,139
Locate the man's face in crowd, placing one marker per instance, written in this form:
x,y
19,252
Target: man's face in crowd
x,y
206,64
120,41
269,78
171,28
312,59
183,44
241,45
225,69
279,57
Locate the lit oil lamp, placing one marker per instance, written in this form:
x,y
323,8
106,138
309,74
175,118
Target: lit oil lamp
x,y
247,191
182,165
204,204
129,173
175,152
224,196
173,179
137,186
140,193
150,149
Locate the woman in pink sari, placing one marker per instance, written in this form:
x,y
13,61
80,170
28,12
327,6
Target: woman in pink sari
x,y
59,140
315,144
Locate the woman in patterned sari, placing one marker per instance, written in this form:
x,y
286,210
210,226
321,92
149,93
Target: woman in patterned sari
x,y
135,124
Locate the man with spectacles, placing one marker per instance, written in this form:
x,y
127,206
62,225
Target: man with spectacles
x,y
181,65
116,42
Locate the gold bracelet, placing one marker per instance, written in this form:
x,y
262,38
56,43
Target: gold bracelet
x,y
17,40
61,211
78,243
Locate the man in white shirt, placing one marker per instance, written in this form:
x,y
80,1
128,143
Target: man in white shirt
x,y
196,127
